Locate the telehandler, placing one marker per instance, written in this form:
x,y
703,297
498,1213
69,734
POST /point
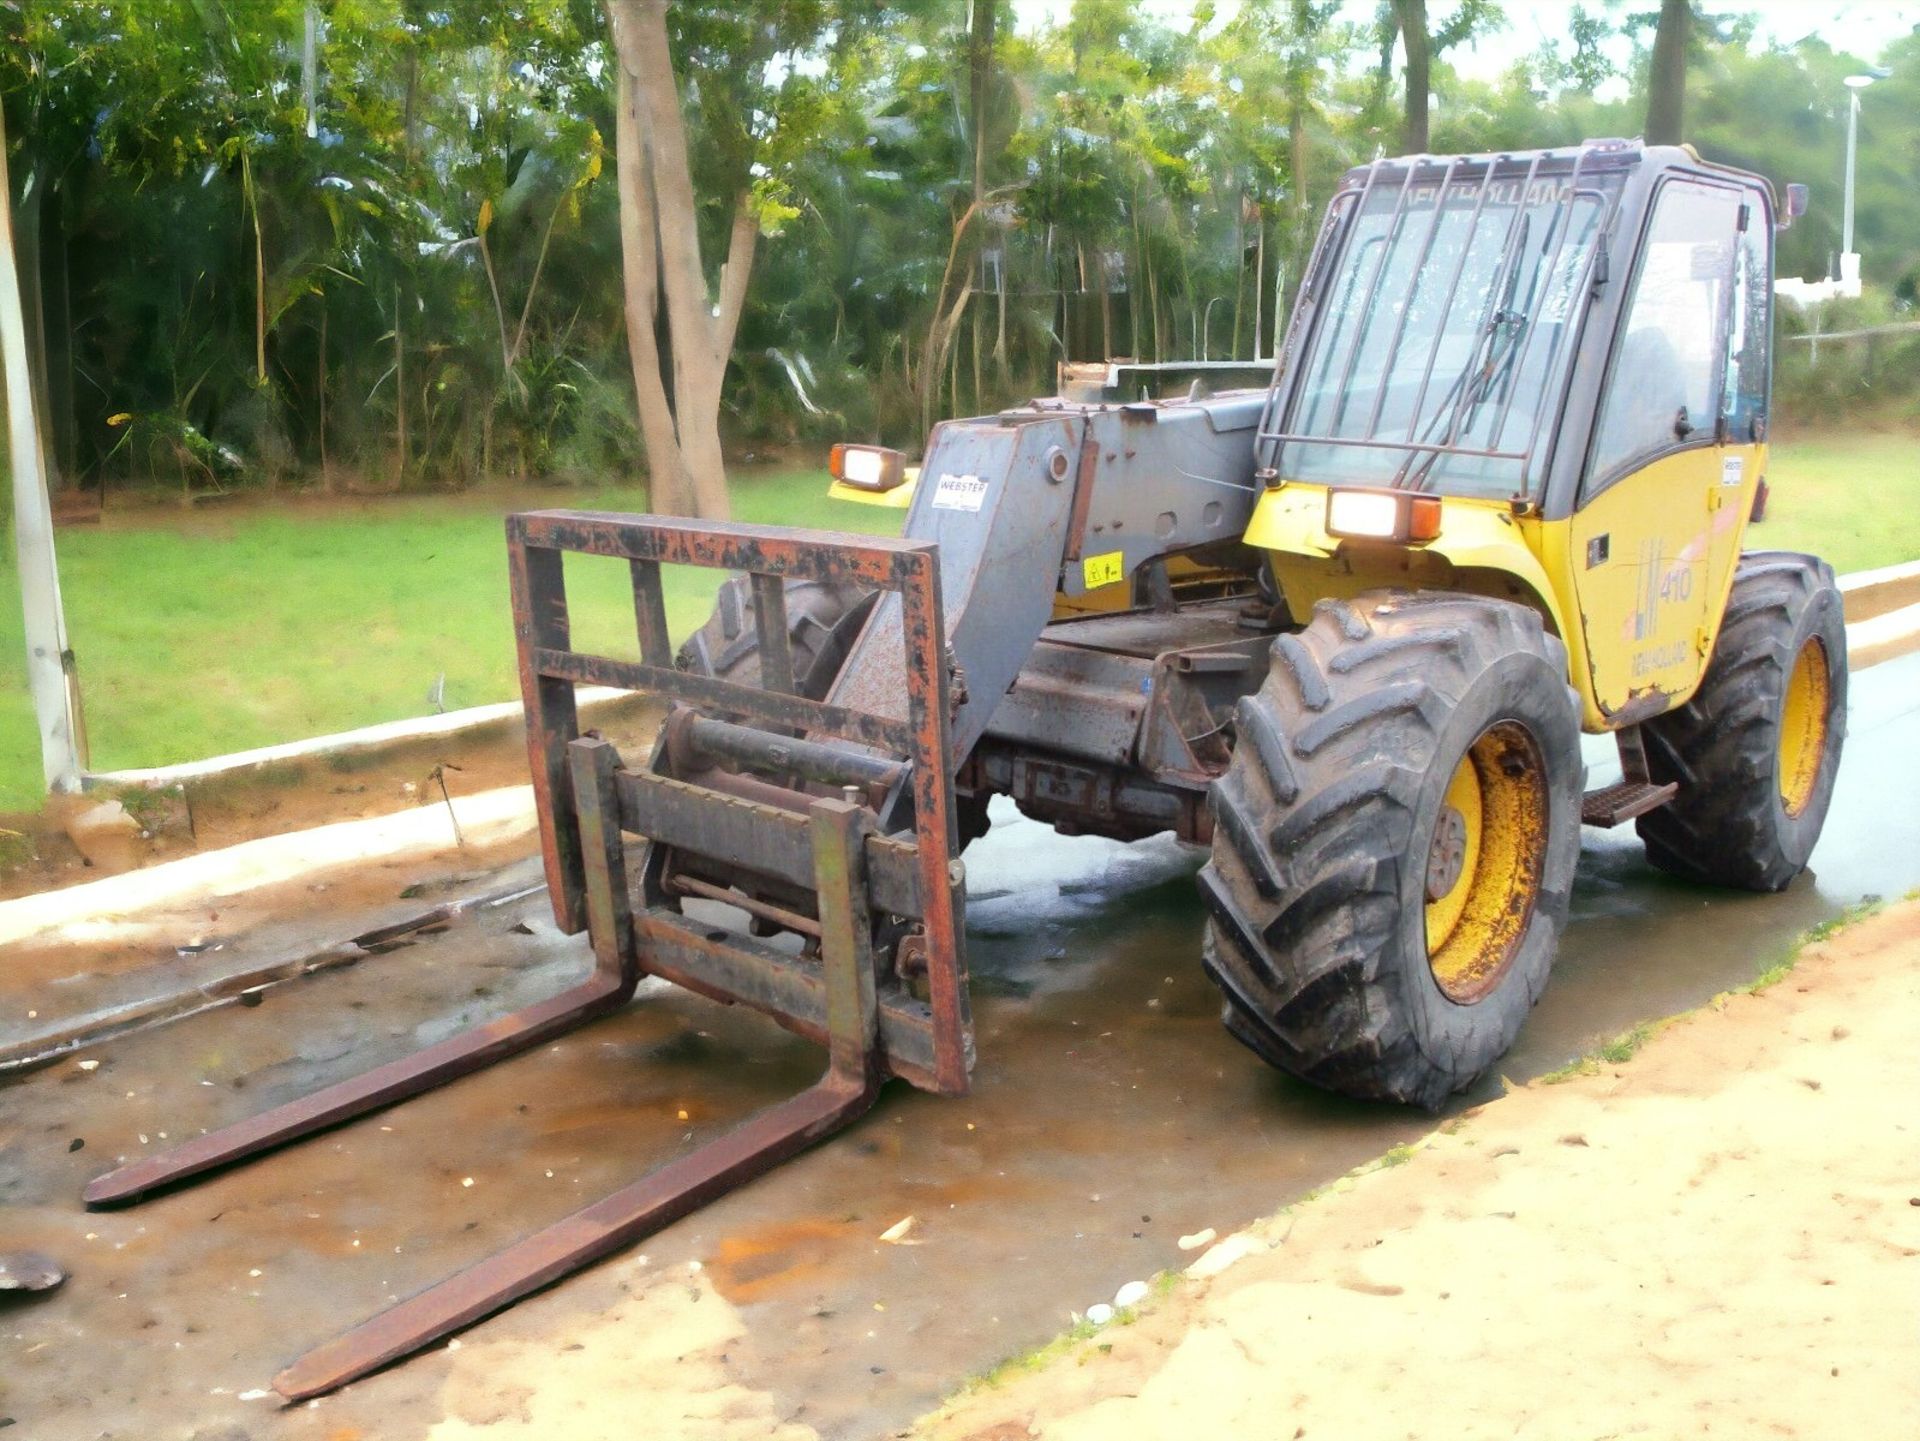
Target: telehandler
x,y
1345,630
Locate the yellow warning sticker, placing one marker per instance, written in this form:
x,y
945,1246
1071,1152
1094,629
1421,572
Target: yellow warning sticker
x,y
1105,569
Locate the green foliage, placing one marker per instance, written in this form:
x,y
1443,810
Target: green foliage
x,y
274,295
1864,377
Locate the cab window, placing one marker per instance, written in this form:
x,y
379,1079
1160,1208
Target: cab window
x,y
1745,392
1664,389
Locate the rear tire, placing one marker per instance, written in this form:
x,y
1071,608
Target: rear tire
x,y
822,621
1408,772
1756,749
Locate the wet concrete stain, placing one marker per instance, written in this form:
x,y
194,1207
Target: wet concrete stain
x,y
1110,1115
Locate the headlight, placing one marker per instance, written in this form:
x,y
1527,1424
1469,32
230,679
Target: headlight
x,y
1395,515
869,467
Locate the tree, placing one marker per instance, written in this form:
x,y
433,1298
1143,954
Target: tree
x,y
1667,74
705,154
667,299
980,117
1281,157
253,253
1423,46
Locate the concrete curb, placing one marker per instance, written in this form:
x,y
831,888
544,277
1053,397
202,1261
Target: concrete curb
x,y
1882,608
369,741
485,819
1869,593
1883,637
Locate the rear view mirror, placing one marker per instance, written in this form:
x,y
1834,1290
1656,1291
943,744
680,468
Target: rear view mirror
x,y
1796,204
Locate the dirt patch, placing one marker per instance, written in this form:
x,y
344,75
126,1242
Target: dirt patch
x,y
68,843
1720,1236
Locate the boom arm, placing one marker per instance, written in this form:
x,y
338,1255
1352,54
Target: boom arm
x,y
1054,497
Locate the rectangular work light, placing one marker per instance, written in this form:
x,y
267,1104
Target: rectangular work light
x,y
869,467
1396,515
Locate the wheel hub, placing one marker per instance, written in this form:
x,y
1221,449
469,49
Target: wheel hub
x,y
1484,860
1803,727
1447,856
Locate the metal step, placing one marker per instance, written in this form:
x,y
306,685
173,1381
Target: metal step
x,y
1612,805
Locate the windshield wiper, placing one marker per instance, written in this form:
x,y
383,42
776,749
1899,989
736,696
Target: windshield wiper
x,y
1485,363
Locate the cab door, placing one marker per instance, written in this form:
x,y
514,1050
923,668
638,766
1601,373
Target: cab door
x,y
1657,529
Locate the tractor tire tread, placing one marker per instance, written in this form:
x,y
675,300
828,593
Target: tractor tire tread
x,y
1727,826
1315,819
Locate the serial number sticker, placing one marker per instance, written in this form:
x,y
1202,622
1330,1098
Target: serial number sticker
x,y
959,492
1105,569
1732,469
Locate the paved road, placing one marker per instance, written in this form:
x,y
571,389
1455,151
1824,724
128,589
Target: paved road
x,y
1111,1114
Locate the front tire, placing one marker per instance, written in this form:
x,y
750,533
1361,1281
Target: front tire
x,y
1756,749
1394,843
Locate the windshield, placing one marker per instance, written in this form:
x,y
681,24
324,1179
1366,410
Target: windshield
x,y
1444,316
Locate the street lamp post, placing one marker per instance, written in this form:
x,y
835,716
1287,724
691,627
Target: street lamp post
x,y
1855,84
1848,283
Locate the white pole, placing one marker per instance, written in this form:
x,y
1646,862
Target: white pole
x,y
1853,132
46,623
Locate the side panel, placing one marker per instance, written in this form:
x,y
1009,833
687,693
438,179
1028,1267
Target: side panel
x,y
1649,561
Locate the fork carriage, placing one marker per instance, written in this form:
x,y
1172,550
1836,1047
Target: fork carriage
x,y
745,801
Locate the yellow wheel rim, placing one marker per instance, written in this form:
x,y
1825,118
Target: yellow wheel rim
x,y
1483,861
1803,726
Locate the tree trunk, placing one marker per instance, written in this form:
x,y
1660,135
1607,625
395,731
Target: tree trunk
x,y
1239,271
320,387
946,319
1000,334
980,77
659,195
403,452
259,275
1302,213
1413,34
399,394
1667,77
1387,35
1106,306
1066,318
1061,265
1153,306
1259,281
669,490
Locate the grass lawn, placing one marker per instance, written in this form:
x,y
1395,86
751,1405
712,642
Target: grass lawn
x,y
217,630
1853,500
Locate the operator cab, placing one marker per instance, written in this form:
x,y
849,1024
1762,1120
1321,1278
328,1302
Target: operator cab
x,y
1457,311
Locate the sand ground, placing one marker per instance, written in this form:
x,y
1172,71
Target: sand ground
x,y
1719,1237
